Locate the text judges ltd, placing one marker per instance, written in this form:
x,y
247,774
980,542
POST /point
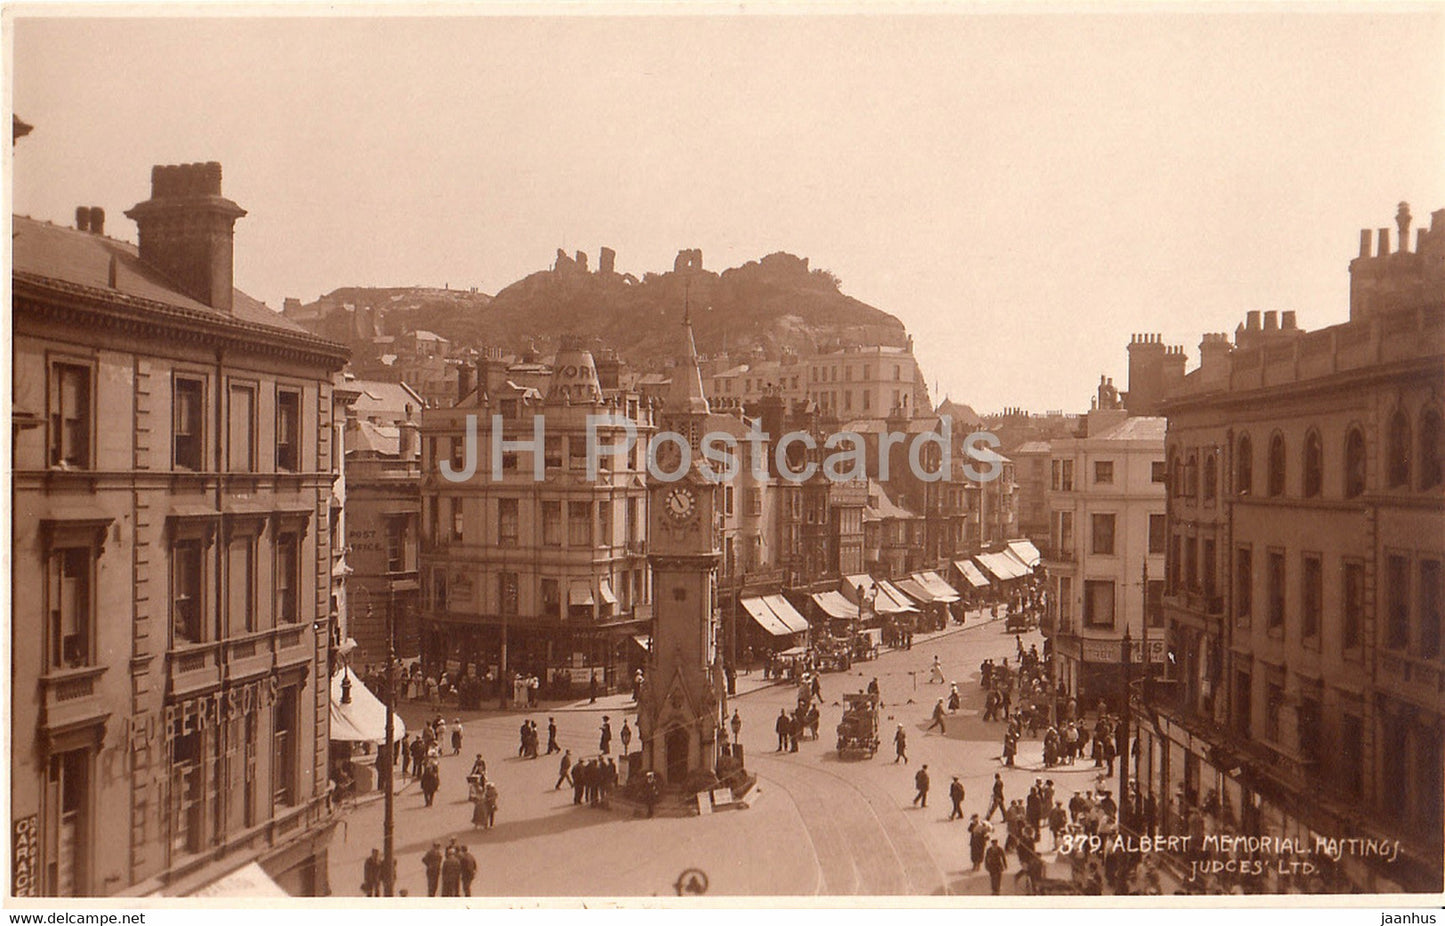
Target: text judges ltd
x,y
669,454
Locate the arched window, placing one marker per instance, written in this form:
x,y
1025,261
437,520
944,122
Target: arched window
x,y
1244,467
1397,466
1211,476
1354,463
1276,465
1314,464
1430,449
1191,477
1176,478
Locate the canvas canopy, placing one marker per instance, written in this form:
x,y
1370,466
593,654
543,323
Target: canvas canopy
x,y
363,720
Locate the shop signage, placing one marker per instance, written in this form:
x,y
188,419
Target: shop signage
x,y
1109,650
24,848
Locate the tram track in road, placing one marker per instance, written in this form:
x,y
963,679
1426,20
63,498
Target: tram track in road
x,y
846,837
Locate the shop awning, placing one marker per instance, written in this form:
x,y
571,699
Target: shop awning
x,y
971,573
936,586
898,602
1003,567
363,719
604,590
788,614
643,640
249,880
851,584
578,594
836,606
1027,553
915,590
770,620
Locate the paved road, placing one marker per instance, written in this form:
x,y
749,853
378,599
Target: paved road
x,y
816,824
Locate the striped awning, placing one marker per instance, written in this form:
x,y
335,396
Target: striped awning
x,y
1003,567
898,602
835,605
971,573
1027,553
936,586
778,625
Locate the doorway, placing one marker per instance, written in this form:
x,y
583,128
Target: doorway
x,y
676,745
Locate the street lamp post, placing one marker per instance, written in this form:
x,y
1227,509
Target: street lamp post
x,y
1121,739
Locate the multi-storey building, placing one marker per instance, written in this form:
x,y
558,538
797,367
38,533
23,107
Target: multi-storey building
x,y
173,463
531,565
1031,461
383,518
1305,578
867,381
1106,504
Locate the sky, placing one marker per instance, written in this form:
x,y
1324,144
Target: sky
x,y
1024,189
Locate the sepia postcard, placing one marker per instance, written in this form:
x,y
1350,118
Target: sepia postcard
x,y
946,455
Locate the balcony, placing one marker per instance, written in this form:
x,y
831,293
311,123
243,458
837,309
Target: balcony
x,y
636,547
193,668
70,698
1410,678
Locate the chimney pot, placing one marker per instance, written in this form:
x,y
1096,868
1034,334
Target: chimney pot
x,y
97,220
82,218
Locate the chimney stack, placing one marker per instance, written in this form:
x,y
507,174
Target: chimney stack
x,y
407,438
82,218
1365,243
465,380
1402,222
187,231
1384,237
1287,320
1271,321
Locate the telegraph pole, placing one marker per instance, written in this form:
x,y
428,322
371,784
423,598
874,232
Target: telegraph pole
x,y
388,825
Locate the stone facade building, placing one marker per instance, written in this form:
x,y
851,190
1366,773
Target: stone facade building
x,y
1305,590
173,465
1106,504
533,567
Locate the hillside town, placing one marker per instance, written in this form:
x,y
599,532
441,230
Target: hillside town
x,y
1185,638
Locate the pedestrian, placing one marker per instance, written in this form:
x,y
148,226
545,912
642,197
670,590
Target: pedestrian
x,y
650,792
782,727
977,840
995,860
955,794
795,732
479,767
457,737
431,779
405,750
418,752
737,726
935,674
451,874
938,712
900,746
552,736
626,736
469,869
523,731
489,803
1058,821
920,781
371,874
592,689
564,770
996,801
817,688
432,862
953,698
604,739
579,781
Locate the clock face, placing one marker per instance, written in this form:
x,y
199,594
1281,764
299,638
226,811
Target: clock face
x,y
681,504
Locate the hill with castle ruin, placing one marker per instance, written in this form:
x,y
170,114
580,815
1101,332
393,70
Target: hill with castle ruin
x,y
775,305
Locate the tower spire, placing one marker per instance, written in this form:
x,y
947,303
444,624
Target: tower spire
x,y
687,395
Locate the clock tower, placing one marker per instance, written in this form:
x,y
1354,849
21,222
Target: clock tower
x,y
681,715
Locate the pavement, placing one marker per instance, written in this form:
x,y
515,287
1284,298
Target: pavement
x,y
815,824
